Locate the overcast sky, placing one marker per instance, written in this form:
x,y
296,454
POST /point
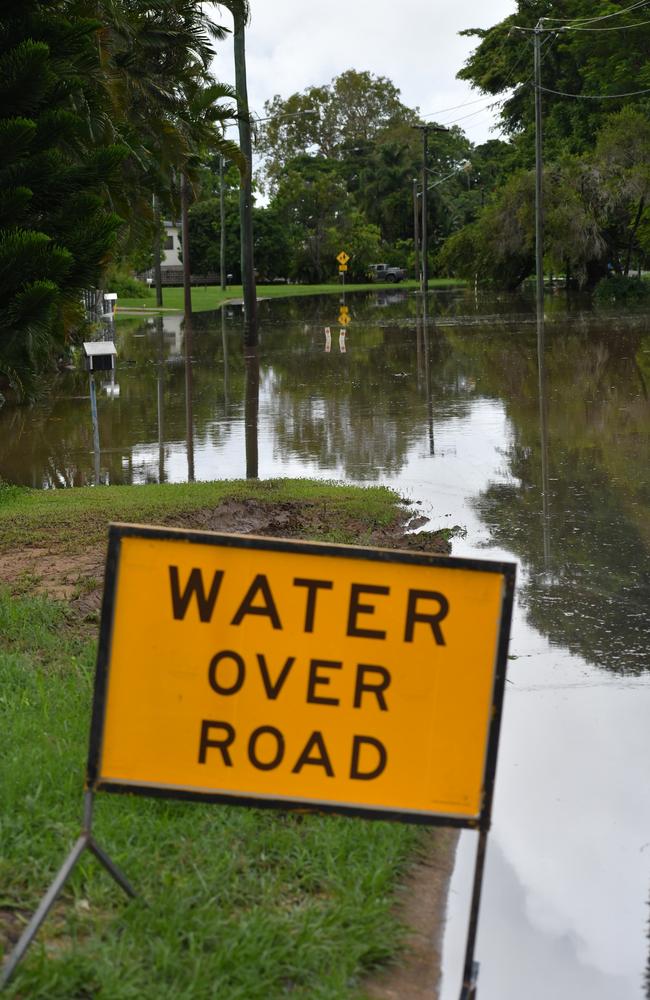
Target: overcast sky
x,y
292,44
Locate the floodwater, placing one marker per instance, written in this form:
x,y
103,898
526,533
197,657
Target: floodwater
x,y
546,465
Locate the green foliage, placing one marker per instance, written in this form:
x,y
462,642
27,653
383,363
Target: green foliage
x,y
340,162
498,248
120,280
576,62
251,900
596,152
274,249
352,111
56,226
310,200
360,239
102,101
595,214
619,289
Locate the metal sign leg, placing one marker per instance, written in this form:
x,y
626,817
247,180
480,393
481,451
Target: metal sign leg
x,y
44,908
111,867
470,971
85,840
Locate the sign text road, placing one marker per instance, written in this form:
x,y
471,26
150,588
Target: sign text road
x,y
297,673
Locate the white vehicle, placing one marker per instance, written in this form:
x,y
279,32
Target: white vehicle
x,y
382,272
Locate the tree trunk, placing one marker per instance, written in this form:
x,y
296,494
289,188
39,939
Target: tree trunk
x,y
246,184
633,234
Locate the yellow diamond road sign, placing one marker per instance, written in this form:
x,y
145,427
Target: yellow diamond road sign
x,y
343,257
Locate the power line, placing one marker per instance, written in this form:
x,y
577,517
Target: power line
x,y
455,107
617,27
467,104
480,111
601,17
539,28
596,97
500,100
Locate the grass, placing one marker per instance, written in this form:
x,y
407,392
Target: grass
x,y
209,297
76,518
235,903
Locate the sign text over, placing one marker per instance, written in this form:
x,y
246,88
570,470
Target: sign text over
x,y
300,674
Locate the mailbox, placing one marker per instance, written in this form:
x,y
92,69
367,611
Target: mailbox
x,y
99,355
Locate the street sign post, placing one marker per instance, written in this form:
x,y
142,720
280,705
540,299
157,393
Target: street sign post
x,y
296,675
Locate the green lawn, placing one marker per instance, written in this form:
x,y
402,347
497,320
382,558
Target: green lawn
x,y
235,903
211,296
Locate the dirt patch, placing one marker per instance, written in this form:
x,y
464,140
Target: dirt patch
x,y
77,578
421,906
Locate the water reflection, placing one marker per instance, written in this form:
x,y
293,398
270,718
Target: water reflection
x,y
251,410
588,586
535,440
160,397
189,400
543,431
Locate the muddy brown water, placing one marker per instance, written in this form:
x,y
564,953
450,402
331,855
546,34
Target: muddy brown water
x,y
548,466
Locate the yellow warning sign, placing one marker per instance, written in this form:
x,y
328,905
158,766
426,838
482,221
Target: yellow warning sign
x,y
344,318
343,257
301,673
342,268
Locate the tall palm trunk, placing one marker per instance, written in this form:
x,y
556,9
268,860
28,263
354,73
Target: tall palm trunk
x,y
246,187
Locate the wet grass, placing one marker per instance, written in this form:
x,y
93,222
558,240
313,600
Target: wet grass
x,y
235,903
209,297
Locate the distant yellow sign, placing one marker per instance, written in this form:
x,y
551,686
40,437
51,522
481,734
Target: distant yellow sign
x,y
249,669
343,267
344,318
343,257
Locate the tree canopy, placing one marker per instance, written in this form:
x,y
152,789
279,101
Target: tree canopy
x,y
581,55
595,67
103,102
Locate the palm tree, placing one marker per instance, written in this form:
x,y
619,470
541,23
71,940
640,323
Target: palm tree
x,y
156,61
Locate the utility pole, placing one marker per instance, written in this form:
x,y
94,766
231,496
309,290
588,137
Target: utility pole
x,y
416,227
222,217
539,191
187,270
425,227
157,273
246,186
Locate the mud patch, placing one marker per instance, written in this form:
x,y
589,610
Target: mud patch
x,y
77,578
